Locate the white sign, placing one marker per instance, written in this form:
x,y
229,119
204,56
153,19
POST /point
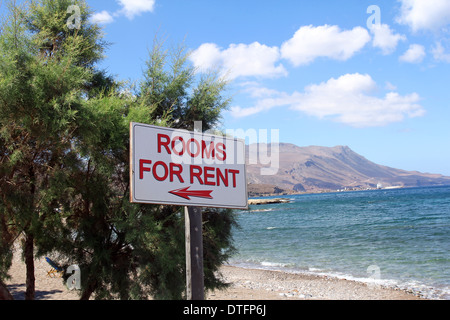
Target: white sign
x,y
179,167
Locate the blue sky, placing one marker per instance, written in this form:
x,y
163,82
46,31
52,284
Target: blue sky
x,y
315,70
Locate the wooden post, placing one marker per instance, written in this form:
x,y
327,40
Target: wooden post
x,y
194,253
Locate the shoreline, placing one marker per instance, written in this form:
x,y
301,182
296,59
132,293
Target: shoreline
x,y
263,284
245,284
322,191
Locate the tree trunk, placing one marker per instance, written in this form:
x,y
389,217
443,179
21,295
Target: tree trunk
x,y
92,285
29,261
4,292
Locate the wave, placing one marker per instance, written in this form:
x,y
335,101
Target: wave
x,y
415,287
404,231
262,210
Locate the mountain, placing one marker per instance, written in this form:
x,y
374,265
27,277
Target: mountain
x,y
319,169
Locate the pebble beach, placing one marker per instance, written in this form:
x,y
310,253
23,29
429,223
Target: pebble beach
x,y
259,284
245,284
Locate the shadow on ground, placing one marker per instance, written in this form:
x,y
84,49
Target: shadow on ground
x,y
18,292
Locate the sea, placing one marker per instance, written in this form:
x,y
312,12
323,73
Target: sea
x,y
389,237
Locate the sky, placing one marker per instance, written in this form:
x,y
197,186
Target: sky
x,y
372,75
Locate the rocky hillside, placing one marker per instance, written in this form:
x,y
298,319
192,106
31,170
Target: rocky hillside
x,y
317,169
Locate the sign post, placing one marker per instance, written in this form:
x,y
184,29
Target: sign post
x,y
194,254
192,169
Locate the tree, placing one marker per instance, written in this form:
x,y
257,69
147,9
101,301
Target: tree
x,y
64,152
170,86
44,70
132,250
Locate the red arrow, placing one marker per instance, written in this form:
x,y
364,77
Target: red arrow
x,y
186,193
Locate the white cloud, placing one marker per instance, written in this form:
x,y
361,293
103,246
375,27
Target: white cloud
x,y
129,8
389,86
132,8
384,38
425,14
266,100
256,59
414,54
207,56
239,60
102,17
239,112
347,99
439,53
255,90
310,42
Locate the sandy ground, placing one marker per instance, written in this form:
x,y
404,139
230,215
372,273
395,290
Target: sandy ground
x,y
47,288
251,284
246,284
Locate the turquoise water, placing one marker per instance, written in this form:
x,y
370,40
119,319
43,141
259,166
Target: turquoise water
x,y
398,237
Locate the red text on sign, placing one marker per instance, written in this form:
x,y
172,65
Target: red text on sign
x,y
203,175
212,176
192,147
160,170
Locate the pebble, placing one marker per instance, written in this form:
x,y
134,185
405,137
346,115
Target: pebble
x,y
292,286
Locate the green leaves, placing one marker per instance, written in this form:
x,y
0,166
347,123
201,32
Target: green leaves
x,y
64,156
171,89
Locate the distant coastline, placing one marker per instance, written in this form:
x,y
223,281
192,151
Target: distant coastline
x,y
254,195
315,169
267,201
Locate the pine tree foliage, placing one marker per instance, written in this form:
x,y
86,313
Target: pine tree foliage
x,y
40,95
64,157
